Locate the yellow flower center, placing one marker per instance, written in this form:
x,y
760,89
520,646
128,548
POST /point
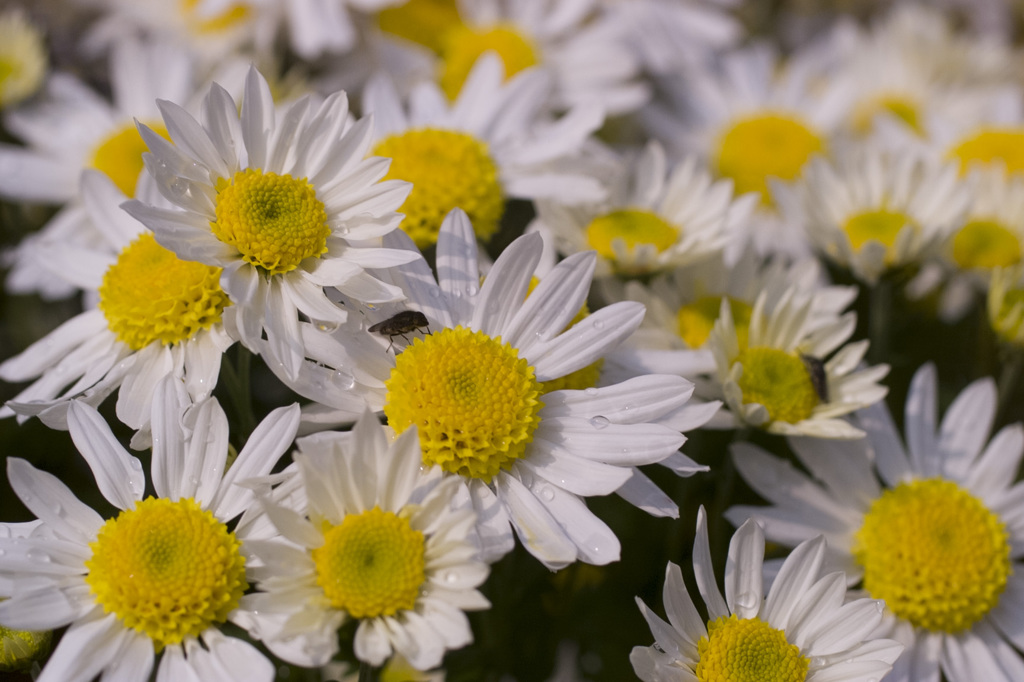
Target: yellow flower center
x,y
765,146
985,244
881,226
448,169
275,221
217,23
426,22
166,569
903,108
937,556
23,59
371,564
748,650
697,319
473,399
150,295
119,155
632,227
19,648
992,145
462,46
779,381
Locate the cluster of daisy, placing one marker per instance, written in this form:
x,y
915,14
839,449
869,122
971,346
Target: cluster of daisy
x,y
391,292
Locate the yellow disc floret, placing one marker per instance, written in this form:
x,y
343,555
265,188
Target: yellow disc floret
x,y
462,46
150,295
473,399
426,22
765,146
166,569
371,564
275,221
985,244
937,556
633,227
880,225
778,380
696,320
748,650
23,58
119,155
447,169
989,146
903,108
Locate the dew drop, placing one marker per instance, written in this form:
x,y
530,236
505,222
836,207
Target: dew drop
x,y
547,493
472,290
344,379
37,555
451,577
327,326
591,391
598,324
746,600
599,422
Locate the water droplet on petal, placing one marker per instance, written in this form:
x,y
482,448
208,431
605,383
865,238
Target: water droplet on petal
x,y
591,391
344,379
598,324
599,422
746,600
472,290
451,577
546,492
37,555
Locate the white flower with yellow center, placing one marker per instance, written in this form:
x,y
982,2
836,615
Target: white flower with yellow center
x,y
150,315
873,211
755,121
990,236
683,306
934,529
211,30
589,59
656,217
494,142
379,541
23,58
474,381
802,630
793,376
162,577
71,127
284,209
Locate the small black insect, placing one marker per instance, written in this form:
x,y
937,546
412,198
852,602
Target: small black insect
x,y
401,324
819,379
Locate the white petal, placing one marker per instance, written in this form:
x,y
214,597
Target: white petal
x,y
704,570
52,502
744,586
118,475
539,532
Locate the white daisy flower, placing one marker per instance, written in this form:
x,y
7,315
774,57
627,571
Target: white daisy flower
x,y
934,529
23,54
657,216
163,576
990,236
378,541
873,211
472,380
589,59
683,306
494,142
209,29
150,315
782,379
285,209
71,127
802,630
754,119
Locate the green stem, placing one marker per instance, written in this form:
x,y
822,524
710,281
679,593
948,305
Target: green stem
x,y
368,673
1008,378
235,379
879,320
